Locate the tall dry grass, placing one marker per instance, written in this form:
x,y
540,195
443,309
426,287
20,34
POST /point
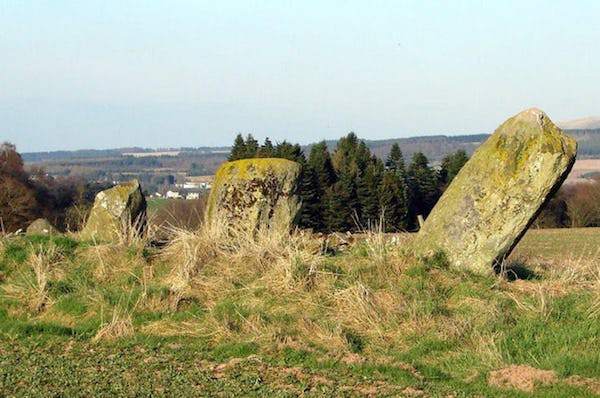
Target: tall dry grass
x,y
31,285
278,287
120,325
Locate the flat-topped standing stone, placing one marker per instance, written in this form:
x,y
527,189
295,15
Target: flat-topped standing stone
x,y
255,193
498,193
115,211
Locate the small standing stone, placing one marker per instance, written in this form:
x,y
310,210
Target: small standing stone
x,y
41,226
115,212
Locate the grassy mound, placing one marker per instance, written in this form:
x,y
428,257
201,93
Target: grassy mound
x,y
218,311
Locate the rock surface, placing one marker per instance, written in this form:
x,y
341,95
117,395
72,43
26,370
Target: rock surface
x,y
41,226
498,193
255,193
115,212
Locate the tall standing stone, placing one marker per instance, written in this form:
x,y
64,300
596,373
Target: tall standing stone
x,y
117,212
255,193
498,193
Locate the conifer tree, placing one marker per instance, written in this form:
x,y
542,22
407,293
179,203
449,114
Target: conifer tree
x,y
344,156
285,150
395,160
423,186
266,150
320,160
451,165
251,147
342,203
238,151
368,192
393,197
318,177
311,214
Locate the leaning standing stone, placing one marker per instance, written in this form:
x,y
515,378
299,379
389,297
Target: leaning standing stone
x,y
117,212
498,193
255,193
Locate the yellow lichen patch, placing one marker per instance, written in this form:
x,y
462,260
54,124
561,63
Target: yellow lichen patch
x,y
498,192
255,193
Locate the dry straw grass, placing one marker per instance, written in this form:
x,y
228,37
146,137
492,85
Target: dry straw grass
x,y
120,325
246,278
31,286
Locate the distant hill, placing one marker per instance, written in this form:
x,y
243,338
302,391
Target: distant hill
x,y
207,159
81,154
588,123
435,147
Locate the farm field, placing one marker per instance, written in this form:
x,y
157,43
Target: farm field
x,y
277,319
560,244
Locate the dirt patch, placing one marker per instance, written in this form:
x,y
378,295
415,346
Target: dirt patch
x,y
353,359
591,384
413,392
521,377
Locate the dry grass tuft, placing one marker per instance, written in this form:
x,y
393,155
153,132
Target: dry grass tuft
x,y
112,261
189,251
134,232
356,307
32,285
119,326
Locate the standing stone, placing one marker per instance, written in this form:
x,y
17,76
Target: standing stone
x,y
41,226
499,192
115,212
255,193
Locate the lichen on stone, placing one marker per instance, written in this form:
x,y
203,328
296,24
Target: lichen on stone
x,y
115,212
498,193
255,193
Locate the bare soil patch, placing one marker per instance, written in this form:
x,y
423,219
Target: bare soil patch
x,y
521,377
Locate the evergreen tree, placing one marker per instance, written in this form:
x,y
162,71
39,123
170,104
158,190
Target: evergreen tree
x,y
451,165
423,186
368,192
320,160
395,160
285,150
238,151
342,198
266,150
362,158
311,214
341,203
251,146
318,176
393,198
344,156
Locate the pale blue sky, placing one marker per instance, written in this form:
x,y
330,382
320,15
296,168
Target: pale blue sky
x,y
104,74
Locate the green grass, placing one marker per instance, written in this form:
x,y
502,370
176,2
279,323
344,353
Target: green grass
x,y
551,244
288,322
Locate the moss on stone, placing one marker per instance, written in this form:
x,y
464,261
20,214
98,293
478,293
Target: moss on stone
x,y
115,210
256,193
499,192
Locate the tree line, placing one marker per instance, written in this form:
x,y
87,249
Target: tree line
x,y
351,189
28,194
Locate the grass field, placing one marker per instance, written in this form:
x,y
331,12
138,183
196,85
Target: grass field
x,y
273,316
560,244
